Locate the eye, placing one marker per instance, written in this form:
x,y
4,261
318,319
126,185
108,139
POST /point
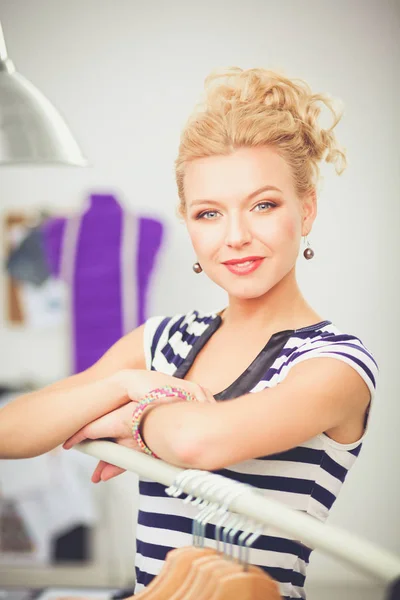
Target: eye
x,y
264,206
207,214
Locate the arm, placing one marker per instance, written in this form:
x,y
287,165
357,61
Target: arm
x,y
317,395
39,421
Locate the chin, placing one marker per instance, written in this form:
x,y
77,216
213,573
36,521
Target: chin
x,y
248,294
248,290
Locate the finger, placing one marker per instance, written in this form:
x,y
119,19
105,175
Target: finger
x,y
198,392
204,395
96,477
111,471
210,397
78,437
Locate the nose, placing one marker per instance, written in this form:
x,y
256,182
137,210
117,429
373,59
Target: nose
x,y
238,233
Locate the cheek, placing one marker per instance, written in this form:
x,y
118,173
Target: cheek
x,y
291,226
292,230
204,239
280,231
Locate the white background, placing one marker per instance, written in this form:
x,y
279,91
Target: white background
x,y
126,74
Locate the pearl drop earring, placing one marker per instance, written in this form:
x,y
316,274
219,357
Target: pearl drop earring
x,y
197,267
308,252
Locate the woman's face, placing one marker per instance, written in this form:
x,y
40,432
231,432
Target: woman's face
x,y
232,213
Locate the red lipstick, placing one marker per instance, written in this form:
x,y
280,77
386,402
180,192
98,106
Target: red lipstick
x,y
243,266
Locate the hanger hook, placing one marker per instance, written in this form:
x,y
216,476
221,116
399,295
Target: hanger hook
x,y
249,542
183,478
210,487
240,524
202,504
229,531
229,493
203,485
248,530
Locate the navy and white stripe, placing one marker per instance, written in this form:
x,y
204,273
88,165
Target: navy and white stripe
x,y
306,478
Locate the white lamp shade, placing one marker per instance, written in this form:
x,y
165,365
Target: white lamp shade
x,y
31,129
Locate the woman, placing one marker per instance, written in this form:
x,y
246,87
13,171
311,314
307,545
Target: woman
x,y
247,173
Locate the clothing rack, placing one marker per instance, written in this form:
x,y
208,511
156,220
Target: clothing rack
x,y
374,561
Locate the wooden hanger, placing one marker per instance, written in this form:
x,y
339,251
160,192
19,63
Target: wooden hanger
x,y
215,573
207,577
192,575
210,574
223,580
175,570
247,585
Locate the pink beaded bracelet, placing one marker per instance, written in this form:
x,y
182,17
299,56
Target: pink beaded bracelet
x,y
150,398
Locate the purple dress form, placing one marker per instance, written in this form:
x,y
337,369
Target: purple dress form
x,y
106,255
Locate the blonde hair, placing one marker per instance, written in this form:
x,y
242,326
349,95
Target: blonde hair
x,y
258,107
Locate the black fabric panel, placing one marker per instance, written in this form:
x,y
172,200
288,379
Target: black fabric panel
x,y
258,368
254,372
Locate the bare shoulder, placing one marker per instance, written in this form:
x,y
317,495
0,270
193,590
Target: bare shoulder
x,y
327,376
336,389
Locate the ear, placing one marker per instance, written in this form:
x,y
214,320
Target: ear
x,y
309,212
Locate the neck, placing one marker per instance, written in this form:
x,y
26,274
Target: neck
x,y
282,307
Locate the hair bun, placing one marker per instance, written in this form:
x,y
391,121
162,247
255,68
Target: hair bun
x,y
255,107
236,86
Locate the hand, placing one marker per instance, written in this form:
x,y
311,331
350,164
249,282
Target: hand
x,y
118,425
139,382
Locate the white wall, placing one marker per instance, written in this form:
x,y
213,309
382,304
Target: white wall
x,y
126,75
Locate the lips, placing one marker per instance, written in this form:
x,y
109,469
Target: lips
x,y
238,261
244,266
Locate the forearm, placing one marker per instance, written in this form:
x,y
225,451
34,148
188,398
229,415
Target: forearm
x,y
36,423
174,432
311,401
206,436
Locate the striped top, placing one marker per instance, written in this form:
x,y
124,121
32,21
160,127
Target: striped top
x,y
306,478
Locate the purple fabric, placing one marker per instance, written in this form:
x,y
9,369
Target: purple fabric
x,y
150,237
97,320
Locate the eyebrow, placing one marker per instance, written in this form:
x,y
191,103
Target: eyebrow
x,y
265,188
